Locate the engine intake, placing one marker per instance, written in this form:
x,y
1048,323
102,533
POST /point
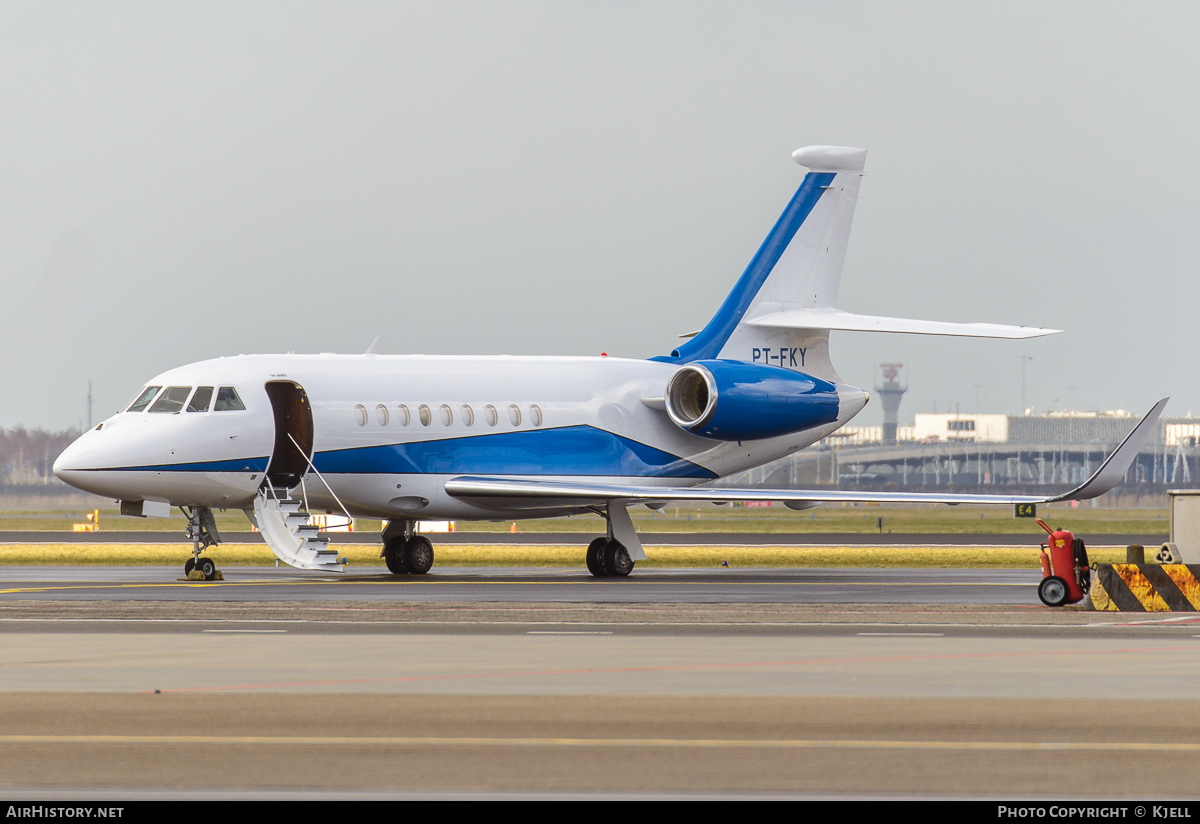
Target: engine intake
x,y
737,401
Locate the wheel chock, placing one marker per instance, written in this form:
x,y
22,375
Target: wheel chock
x,y
197,575
1145,588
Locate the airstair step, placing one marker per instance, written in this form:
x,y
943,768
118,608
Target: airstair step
x,y
288,529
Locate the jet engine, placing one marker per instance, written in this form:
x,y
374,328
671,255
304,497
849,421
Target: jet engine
x,y
738,401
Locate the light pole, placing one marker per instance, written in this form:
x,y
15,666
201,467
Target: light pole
x,y
1024,359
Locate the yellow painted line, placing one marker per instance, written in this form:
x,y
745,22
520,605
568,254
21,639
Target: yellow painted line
x,y
583,582
203,585
690,743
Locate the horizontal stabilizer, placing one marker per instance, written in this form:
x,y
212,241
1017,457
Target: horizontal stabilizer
x,y
818,318
519,494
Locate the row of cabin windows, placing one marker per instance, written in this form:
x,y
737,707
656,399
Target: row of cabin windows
x,y
466,414
175,398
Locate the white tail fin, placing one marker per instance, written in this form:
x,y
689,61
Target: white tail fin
x,y
799,265
782,307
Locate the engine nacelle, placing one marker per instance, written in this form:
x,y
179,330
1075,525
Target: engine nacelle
x,y
738,401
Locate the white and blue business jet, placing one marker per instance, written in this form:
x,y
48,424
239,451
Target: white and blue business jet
x,y
408,438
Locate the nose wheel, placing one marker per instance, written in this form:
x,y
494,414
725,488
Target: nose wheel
x,y
204,566
202,529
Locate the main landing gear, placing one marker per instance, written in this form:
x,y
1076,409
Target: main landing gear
x,y
404,551
202,529
614,555
606,557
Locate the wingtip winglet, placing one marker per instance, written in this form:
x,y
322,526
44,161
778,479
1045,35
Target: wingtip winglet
x,y
1113,470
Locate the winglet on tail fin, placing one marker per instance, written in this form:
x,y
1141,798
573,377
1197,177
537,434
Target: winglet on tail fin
x,y
831,158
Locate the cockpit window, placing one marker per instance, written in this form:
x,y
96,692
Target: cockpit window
x,y
201,400
143,400
172,400
228,400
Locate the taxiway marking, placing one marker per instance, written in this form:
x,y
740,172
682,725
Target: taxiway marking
x,y
584,582
690,743
729,665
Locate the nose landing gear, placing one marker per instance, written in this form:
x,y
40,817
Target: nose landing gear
x,y
202,529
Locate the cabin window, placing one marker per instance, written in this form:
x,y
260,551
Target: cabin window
x,y
360,414
172,400
447,415
468,415
402,415
201,400
489,412
381,415
228,400
143,400
425,415
514,415
535,415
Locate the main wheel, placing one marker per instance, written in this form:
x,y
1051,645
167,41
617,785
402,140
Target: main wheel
x,y
393,556
617,560
418,555
595,557
1053,591
207,568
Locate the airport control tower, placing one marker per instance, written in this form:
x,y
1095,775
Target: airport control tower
x,y
890,392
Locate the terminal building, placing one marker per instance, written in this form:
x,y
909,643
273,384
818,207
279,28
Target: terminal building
x,y
989,452
1025,454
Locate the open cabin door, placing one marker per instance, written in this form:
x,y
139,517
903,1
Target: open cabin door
x,y
293,417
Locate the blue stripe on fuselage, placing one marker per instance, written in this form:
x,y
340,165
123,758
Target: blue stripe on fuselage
x,y
572,450
236,465
708,343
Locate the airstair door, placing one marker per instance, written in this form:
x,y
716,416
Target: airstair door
x,y
293,434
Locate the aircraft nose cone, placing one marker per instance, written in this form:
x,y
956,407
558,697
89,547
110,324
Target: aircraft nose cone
x,y
67,465
62,465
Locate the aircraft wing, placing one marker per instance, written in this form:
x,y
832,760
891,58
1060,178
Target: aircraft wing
x,y
519,494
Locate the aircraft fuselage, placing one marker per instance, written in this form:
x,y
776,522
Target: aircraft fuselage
x,y
387,432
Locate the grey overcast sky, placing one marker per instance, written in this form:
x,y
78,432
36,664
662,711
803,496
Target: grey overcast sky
x,y
183,181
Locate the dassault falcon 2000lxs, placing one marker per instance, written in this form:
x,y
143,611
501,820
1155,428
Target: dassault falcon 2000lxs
x,y
414,437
